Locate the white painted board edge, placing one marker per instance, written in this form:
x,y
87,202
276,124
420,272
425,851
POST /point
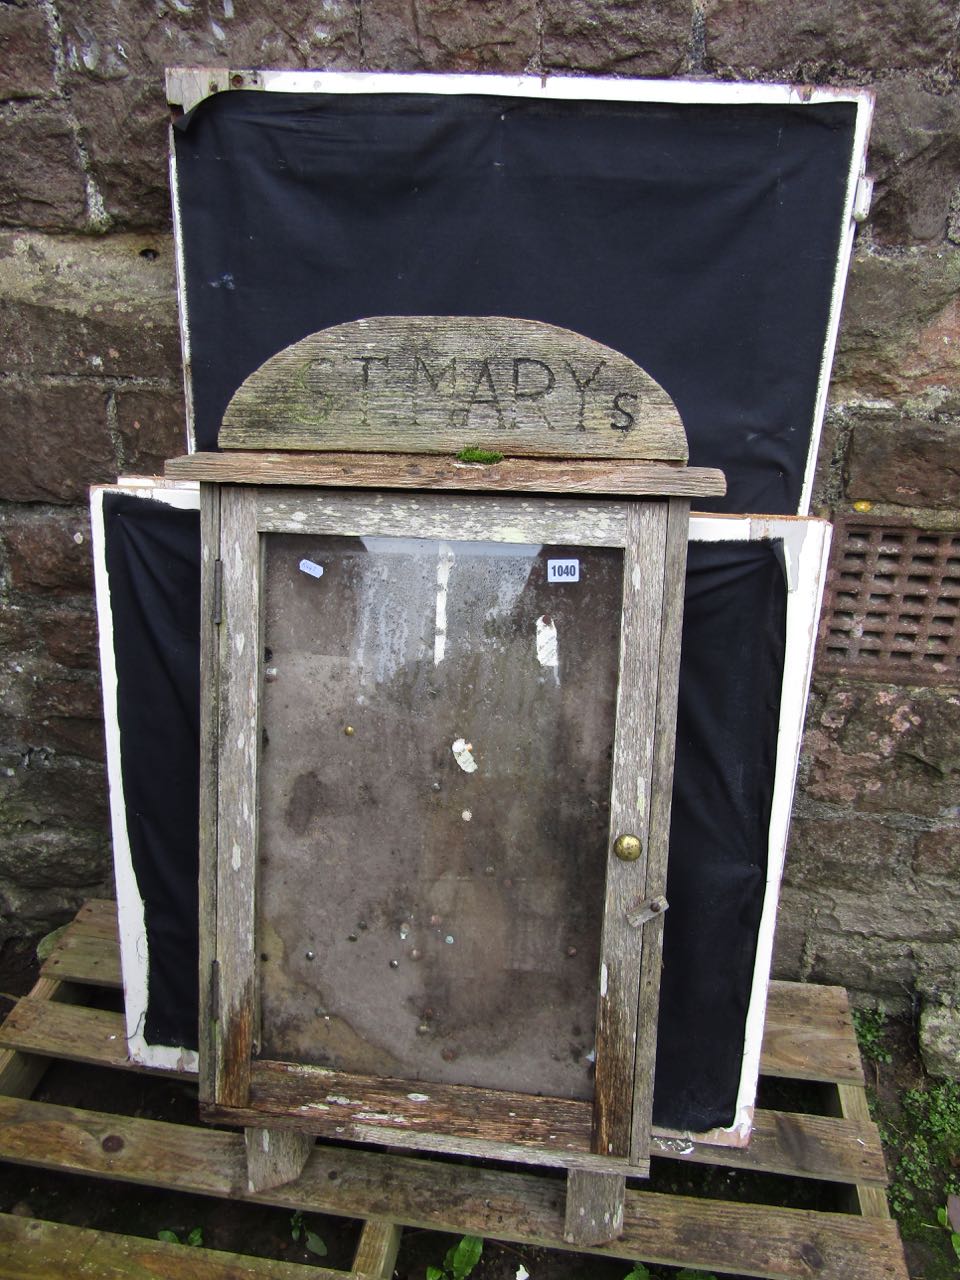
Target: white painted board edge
x,y
196,84
806,547
134,956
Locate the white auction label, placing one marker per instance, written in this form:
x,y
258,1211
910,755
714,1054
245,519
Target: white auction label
x,y
563,570
314,570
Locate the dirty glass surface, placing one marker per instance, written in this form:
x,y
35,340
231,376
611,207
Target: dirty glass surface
x,y
437,726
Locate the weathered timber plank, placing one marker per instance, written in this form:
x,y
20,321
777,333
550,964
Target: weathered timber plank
x,y
98,915
438,384
427,1116
56,1030
820,1147
275,1156
593,1212
21,1073
810,1000
808,1035
779,1244
89,959
210,623
633,751
501,518
423,471
835,1150
377,1249
37,1250
658,839
852,1099
238,676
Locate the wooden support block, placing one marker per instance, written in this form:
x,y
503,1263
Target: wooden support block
x,y
871,1201
594,1212
377,1249
275,1157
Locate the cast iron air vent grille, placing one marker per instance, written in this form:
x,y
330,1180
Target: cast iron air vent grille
x,y
892,603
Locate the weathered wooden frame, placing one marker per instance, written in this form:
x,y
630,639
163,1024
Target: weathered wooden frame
x,y
614,1134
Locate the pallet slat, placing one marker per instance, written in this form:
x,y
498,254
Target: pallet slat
x,y
808,1035
778,1244
820,1147
78,1034
36,1250
20,1073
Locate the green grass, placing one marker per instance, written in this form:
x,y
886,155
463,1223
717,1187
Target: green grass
x,y
927,1135
871,1028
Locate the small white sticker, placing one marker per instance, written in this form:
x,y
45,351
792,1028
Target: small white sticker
x,y
314,570
462,754
563,570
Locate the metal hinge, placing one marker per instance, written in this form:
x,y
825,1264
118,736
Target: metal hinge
x,y
217,592
646,909
215,991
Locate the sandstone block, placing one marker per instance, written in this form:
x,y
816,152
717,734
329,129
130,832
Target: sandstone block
x,y
938,969
915,156
793,921
936,856
861,963
854,855
804,42
63,631
827,489
879,748
26,54
914,913
48,550
940,1040
912,462
445,35
616,37
54,859
55,442
89,306
41,791
24,911
41,183
152,427
50,707
115,57
900,331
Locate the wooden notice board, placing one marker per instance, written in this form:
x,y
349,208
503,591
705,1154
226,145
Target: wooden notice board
x,y
438,745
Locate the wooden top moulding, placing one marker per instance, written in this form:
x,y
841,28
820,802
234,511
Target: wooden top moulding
x,y
425,471
435,402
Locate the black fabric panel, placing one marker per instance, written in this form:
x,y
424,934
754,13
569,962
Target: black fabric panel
x,y
153,565
699,240
731,674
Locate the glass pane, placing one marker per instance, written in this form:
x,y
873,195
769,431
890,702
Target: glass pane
x,y
438,727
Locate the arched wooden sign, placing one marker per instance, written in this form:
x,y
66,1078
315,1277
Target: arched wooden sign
x,y
439,384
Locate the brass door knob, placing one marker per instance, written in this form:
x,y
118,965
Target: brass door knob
x,y
628,848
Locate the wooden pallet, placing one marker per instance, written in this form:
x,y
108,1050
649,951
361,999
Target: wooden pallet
x,y
809,1036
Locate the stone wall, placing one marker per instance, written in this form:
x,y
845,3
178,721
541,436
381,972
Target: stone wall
x,y
91,386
